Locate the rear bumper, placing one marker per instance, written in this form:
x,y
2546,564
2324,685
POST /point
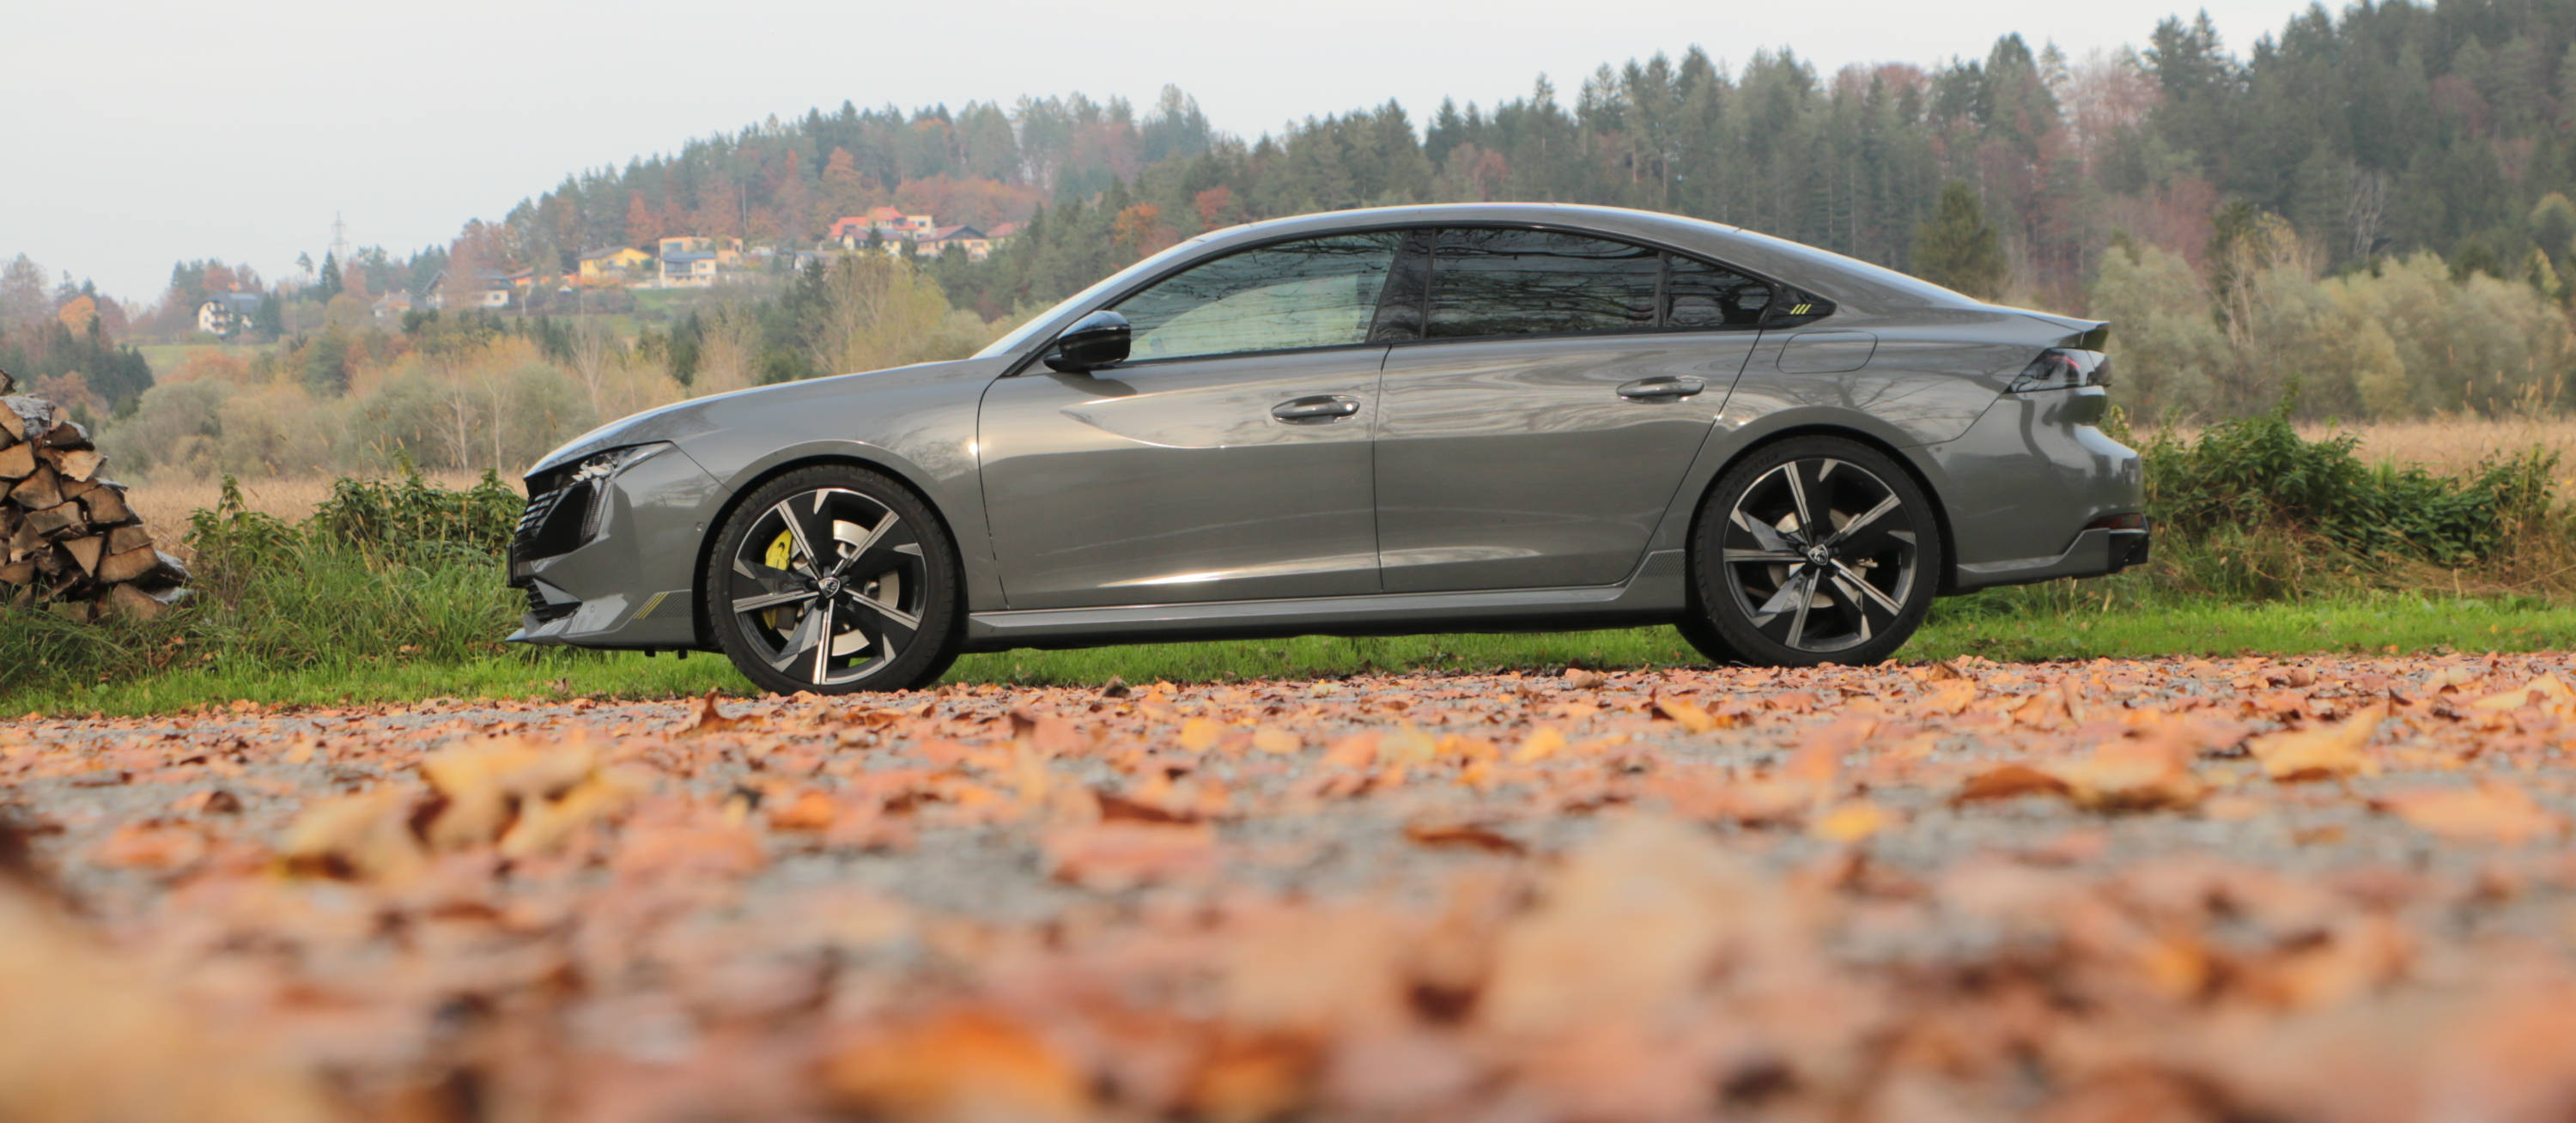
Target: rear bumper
x,y
2094,553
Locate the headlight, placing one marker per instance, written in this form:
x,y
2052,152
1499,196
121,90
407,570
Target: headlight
x,y
602,465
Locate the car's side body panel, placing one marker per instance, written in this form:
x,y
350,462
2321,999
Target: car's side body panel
x,y
1518,463
1174,481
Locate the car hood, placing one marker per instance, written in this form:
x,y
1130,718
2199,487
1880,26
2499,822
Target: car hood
x,y
678,420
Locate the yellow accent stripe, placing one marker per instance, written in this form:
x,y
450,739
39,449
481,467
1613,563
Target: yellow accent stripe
x,y
650,605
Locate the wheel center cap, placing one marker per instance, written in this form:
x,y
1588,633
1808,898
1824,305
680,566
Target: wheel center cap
x,y
831,587
1818,555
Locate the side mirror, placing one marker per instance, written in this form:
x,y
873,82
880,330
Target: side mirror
x,y
1094,341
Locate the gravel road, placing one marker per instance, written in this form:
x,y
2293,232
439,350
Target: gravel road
x,y
2332,888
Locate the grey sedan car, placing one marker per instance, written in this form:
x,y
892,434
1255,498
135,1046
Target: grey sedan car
x,y
1500,417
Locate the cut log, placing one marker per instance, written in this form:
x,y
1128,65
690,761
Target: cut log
x,y
134,603
73,585
54,520
147,567
70,543
22,415
86,551
107,507
77,463
41,488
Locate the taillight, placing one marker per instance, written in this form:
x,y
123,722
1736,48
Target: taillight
x,y
2061,368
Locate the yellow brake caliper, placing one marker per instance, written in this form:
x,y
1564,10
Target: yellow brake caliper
x,y
781,552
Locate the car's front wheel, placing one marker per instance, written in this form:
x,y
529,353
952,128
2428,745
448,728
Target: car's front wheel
x,y
834,579
1815,550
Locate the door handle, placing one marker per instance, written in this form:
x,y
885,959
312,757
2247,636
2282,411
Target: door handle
x,y
1316,407
1661,388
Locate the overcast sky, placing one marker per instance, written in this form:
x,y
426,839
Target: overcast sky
x,y
136,134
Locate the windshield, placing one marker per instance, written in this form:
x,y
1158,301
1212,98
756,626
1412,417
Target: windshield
x,y
1040,323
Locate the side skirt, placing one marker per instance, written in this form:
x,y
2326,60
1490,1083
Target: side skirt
x,y
1653,594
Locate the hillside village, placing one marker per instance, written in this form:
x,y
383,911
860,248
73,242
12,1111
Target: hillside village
x,y
686,261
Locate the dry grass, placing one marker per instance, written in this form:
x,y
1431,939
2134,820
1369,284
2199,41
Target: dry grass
x,y
2452,443
165,507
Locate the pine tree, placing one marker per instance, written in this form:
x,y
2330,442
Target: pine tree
x,y
329,285
1957,248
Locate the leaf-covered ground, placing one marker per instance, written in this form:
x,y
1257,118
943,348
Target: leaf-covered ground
x,y
2251,889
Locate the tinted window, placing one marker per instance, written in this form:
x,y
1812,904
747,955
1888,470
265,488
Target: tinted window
x,y
1321,292
1527,282
1700,295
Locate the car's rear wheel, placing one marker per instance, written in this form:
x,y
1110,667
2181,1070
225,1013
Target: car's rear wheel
x,y
1814,550
834,579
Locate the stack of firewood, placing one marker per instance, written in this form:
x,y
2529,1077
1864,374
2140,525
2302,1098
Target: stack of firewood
x,y
68,542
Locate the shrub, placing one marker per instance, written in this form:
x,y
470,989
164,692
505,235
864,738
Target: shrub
x,y
413,519
2257,475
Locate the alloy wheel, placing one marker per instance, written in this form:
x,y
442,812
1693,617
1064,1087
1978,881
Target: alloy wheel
x,y
829,586
1820,554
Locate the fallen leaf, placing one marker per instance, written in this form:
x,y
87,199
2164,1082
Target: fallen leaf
x,y
1462,834
1278,742
2133,775
1119,854
966,1064
2488,812
710,718
1543,742
1689,715
811,810
2320,752
2006,781
152,844
1851,822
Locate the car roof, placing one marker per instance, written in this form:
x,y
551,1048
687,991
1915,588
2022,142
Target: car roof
x,y
1844,280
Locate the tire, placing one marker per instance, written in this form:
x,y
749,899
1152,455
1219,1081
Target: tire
x,y
1865,585
1702,635
880,613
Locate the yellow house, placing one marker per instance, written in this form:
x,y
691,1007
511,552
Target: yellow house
x,y
599,266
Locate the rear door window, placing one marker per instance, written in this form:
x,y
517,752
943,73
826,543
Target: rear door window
x,y
1489,282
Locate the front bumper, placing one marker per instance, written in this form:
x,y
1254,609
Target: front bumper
x,y
612,562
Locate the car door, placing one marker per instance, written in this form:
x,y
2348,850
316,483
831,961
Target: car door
x,y
1228,459
1537,431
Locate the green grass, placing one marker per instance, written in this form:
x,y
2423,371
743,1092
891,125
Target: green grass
x,y
2014,625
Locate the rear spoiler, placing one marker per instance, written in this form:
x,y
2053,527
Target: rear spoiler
x,y
2088,335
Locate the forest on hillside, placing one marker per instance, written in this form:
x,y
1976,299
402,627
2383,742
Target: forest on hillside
x,y
2372,206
